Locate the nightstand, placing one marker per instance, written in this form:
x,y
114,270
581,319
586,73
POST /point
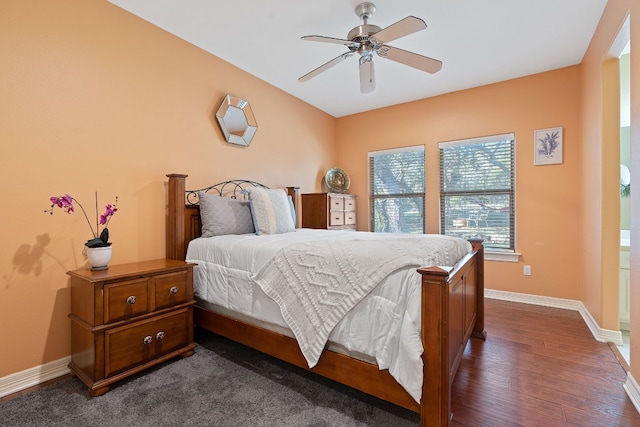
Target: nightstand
x,y
129,318
331,211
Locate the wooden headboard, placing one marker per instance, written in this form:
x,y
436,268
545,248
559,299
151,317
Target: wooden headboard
x,y
183,214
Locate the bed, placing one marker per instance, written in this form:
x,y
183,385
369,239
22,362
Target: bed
x,y
451,310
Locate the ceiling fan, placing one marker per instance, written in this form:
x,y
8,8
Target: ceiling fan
x,y
366,39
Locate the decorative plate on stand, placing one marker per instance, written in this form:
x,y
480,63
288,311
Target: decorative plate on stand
x,y
337,180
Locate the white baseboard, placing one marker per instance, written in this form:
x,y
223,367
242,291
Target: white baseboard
x,y
633,391
33,376
600,334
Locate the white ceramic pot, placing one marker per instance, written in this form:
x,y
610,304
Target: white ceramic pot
x,y
99,257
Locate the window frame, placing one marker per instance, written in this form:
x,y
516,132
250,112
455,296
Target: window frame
x,y
494,253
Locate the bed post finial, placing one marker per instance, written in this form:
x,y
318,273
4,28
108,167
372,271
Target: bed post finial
x,y
175,243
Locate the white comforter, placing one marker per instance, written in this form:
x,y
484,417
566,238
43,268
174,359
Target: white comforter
x,y
384,326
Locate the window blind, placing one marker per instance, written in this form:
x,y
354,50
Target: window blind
x,y
477,190
397,190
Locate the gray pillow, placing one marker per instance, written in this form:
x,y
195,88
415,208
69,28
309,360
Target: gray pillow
x,y
223,215
271,211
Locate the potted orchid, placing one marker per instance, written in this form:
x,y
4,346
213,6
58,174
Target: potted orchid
x,y
66,202
98,248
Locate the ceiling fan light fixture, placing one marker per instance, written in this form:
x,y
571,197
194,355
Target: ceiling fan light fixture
x,y
366,50
366,39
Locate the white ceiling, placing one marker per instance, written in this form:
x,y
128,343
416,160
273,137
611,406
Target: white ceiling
x,y
479,42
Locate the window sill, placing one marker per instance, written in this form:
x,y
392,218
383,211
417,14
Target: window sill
x,y
503,256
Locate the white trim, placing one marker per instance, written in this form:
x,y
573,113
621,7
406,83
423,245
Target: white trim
x,y
33,376
622,39
602,335
397,150
479,140
497,255
633,391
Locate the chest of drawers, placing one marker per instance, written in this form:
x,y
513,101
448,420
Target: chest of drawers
x,y
332,211
128,318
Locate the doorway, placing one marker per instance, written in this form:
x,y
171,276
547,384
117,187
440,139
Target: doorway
x,y
624,306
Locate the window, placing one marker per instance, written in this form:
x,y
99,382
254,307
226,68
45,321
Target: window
x,y
396,188
477,190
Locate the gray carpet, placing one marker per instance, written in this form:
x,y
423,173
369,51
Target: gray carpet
x,y
223,384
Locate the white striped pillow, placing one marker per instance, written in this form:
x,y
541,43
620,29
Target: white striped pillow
x,y
271,211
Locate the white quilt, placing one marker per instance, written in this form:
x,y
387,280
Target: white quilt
x,y
381,322
317,283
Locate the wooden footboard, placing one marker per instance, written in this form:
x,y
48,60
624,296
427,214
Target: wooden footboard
x,y
452,312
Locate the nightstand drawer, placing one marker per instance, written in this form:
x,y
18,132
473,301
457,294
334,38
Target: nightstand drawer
x,y
171,289
336,203
336,218
126,299
349,218
349,204
132,345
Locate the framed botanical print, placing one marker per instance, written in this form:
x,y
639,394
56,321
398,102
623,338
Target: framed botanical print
x,y
547,146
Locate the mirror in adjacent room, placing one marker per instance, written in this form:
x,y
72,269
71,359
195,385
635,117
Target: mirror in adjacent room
x,y
236,120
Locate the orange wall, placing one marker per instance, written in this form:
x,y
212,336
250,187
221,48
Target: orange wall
x,y
94,98
548,215
601,173
598,71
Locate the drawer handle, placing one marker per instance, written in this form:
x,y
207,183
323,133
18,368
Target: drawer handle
x,y
160,336
147,340
131,300
173,290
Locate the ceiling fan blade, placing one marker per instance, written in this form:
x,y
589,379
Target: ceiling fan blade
x,y
423,63
325,67
367,74
403,27
324,39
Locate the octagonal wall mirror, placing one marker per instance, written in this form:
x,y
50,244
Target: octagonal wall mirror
x,y
236,120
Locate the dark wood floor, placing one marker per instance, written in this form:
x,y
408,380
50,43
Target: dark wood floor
x,y
540,366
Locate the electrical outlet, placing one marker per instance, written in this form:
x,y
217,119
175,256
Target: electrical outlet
x,y
527,270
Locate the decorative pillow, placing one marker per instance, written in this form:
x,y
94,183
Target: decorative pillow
x,y
224,215
271,211
293,211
